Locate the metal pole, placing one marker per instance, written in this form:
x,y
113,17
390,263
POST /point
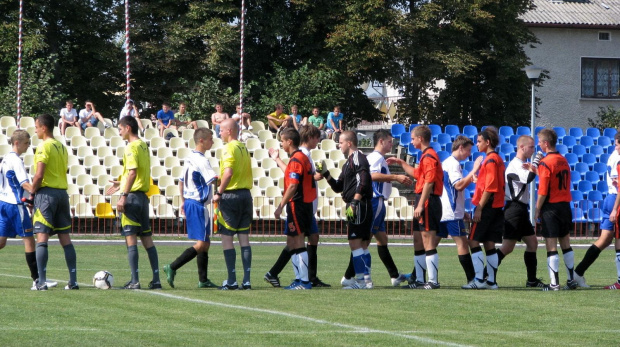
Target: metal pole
x,y
19,63
241,58
533,184
127,70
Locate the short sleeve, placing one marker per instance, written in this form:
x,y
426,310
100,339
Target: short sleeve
x,y
295,171
131,157
454,171
228,158
544,175
430,169
491,181
375,163
42,154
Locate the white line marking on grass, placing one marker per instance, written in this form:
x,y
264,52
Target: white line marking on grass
x,y
300,317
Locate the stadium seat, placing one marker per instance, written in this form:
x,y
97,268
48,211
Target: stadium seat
x,y
572,159
75,170
506,131
103,152
586,141
604,142
72,131
452,130
183,153
589,159
435,131
442,139
470,131
110,161
513,140
318,154
575,132
165,211
98,141
83,210
597,150
582,168
595,215
188,134
562,149
569,141
560,131
397,130
394,193
77,141
578,216
592,177
575,178
523,130
329,145
602,187
579,150
164,181
476,155
595,196
406,213
584,187
576,195
593,132
174,132
95,199
436,146
104,210
253,144
263,135
170,162
260,154
506,148
91,132
443,155
257,125
447,147
405,139
412,126
336,155
610,132
176,142
275,173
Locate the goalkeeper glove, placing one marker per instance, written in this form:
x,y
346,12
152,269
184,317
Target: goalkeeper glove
x,y
352,210
322,168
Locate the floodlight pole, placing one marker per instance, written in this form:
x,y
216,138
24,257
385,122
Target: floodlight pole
x,y
127,56
533,73
19,63
241,57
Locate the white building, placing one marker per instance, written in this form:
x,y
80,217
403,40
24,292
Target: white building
x,y
580,49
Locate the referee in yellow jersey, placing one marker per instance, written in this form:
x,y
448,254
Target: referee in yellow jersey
x,y
235,203
52,213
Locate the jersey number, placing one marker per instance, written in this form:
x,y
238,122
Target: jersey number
x,y
562,177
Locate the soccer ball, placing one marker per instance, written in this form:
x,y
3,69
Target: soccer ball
x,y
103,280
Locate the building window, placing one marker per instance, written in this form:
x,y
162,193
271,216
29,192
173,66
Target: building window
x,y
604,36
600,78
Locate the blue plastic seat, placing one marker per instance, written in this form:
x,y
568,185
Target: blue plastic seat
x,y
476,155
506,131
595,215
562,149
569,141
602,187
436,146
603,141
470,131
576,195
538,129
560,131
584,187
611,149
444,138
397,130
578,215
452,130
576,132
513,140
589,159
506,148
469,165
435,130
405,139
412,126
610,132
593,132
597,150
582,168
522,130
579,150
600,168
603,158
469,207
511,156
572,159
592,177
447,147
443,155
414,152
586,141
575,178
595,196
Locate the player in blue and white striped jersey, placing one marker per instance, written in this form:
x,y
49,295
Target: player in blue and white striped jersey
x,y
14,218
453,201
196,191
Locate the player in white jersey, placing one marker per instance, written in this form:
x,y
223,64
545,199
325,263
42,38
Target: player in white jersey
x,y
517,224
381,190
14,218
453,201
196,191
608,230
310,137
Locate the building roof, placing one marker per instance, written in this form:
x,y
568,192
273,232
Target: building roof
x,y
573,13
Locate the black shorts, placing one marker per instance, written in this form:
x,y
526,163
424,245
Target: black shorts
x,y
491,225
431,216
517,221
236,212
298,218
135,220
556,219
360,228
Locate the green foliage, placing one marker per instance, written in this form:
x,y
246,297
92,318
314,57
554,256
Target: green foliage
x,y
202,96
607,117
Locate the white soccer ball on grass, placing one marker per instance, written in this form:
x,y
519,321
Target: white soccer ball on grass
x,y
103,280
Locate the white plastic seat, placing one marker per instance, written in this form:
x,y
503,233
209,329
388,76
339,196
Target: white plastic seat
x,y
98,141
83,210
165,211
328,145
91,132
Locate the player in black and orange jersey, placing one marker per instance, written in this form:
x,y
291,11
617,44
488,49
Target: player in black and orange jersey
x,y
553,209
428,210
488,217
299,194
606,235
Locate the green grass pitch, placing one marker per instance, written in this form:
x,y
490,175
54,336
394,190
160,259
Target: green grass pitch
x,y
266,316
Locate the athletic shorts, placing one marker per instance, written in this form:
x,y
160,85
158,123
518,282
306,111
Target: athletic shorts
x,y
491,225
235,212
453,228
94,121
52,213
360,228
298,218
198,220
14,220
314,227
608,206
556,219
135,220
517,222
378,212
431,216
